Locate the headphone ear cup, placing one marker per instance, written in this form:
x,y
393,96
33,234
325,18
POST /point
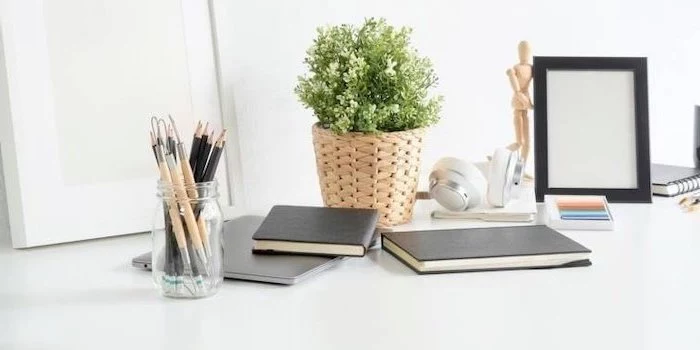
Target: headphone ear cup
x,y
501,172
457,185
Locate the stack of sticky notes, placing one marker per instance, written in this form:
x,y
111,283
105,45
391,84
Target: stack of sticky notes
x,y
578,212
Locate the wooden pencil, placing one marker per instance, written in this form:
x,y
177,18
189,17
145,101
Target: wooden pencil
x,y
204,233
184,200
173,211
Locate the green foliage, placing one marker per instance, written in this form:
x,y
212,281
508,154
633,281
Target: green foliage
x,y
368,79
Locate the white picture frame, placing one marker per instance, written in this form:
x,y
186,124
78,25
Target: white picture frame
x,y
49,198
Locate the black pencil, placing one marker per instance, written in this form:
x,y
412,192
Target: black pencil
x,y
213,162
196,139
203,156
202,142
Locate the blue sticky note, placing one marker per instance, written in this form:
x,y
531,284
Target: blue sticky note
x,y
583,215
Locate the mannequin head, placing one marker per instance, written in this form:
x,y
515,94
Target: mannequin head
x,y
524,51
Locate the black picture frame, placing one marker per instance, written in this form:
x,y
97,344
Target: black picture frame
x,y
638,66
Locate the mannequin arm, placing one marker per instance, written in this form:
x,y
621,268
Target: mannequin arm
x,y
513,80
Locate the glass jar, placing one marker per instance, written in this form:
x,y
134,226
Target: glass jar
x,y
187,259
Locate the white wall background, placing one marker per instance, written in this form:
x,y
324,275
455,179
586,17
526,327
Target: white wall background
x,y
4,219
471,44
4,108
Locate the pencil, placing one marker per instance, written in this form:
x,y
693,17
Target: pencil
x,y
155,130
209,176
190,186
204,233
173,266
213,162
202,143
179,148
171,142
153,145
196,139
178,229
203,156
183,199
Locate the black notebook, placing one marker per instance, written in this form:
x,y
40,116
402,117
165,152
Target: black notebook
x,y
671,180
484,249
316,231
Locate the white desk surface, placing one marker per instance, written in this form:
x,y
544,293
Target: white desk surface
x,y
642,292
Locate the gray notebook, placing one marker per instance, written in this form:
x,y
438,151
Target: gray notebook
x,y
483,249
671,180
241,263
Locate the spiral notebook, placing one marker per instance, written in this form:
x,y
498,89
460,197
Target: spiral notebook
x,y
671,180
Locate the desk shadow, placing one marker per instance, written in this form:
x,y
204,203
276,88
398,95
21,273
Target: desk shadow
x,y
388,262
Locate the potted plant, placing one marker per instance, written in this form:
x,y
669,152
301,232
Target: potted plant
x,y
369,89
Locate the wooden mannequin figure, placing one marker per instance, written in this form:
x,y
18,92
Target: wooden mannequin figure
x,y
520,77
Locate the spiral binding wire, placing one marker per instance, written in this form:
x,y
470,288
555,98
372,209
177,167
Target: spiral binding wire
x,y
686,185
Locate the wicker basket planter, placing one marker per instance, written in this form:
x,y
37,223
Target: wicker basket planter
x,y
358,170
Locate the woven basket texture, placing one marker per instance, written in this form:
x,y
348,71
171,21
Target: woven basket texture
x,y
379,171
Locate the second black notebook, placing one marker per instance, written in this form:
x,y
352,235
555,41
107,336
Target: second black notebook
x,y
670,180
316,231
483,249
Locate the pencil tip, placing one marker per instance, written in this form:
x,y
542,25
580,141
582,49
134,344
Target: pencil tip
x,y
222,138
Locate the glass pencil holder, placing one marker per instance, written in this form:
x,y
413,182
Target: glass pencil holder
x,y
187,260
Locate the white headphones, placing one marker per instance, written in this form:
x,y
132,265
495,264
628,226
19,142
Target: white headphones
x,y
458,185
